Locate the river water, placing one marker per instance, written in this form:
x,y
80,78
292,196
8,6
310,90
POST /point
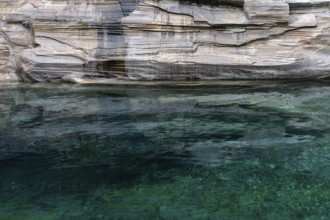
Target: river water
x,y
214,150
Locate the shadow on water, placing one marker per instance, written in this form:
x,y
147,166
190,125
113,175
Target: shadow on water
x,y
71,176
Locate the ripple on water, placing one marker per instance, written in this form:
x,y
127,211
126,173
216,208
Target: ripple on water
x,y
256,151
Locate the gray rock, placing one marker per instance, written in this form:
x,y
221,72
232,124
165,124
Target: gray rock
x,y
305,20
267,11
105,41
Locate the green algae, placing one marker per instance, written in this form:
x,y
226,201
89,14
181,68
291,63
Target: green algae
x,y
255,190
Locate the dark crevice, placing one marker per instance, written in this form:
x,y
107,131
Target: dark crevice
x,y
237,3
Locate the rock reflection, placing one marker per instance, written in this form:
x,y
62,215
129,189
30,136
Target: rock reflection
x,y
208,148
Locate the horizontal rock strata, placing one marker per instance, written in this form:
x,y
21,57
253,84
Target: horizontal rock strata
x,y
98,41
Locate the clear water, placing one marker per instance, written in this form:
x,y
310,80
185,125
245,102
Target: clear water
x,y
231,150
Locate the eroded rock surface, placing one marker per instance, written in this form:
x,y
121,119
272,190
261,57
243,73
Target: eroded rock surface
x,y
99,41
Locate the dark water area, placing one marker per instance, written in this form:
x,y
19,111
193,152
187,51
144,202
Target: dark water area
x,y
229,150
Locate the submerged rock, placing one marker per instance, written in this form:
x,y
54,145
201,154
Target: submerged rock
x,y
105,41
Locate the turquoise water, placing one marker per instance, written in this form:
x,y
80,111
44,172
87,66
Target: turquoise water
x,y
230,150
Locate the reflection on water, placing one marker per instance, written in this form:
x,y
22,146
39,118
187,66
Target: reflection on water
x,y
233,150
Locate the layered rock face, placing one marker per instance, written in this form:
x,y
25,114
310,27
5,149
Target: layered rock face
x,y
106,41
63,40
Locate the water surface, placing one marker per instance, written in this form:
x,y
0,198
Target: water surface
x,y
230,150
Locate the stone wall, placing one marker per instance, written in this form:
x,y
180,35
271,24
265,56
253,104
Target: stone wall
x,y
105,41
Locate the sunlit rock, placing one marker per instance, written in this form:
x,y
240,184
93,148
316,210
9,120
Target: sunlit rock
x,y
267,11
97,41
306,20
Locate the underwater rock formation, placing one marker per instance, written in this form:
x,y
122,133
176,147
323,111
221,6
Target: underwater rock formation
x,y
85,41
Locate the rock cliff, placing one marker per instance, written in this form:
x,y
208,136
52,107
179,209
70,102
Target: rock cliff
x,y
108,40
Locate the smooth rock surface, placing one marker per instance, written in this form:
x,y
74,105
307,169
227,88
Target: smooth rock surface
x,y
100,41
